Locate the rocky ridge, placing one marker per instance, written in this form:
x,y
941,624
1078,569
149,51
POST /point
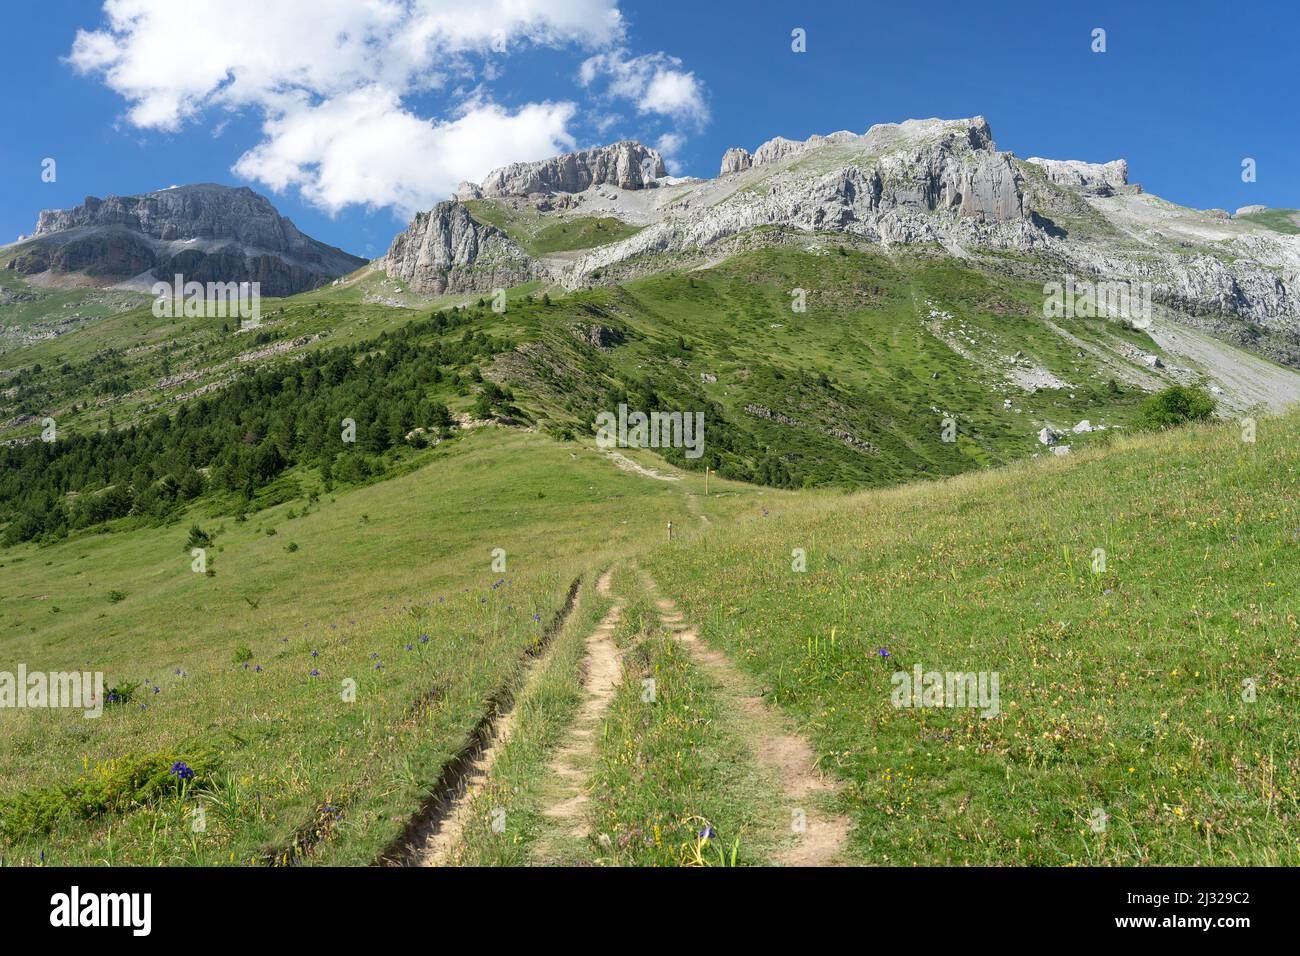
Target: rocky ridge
x,y
627,165
938,182
205,231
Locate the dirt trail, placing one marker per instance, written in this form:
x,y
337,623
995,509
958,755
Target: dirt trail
x,y
788,756
437,829
436,845
693,505
602,670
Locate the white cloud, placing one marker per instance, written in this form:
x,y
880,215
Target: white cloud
x,y
654,82
330,76
363,147
669,144
172,59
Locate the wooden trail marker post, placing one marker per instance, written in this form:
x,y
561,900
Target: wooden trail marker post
x,y
670,531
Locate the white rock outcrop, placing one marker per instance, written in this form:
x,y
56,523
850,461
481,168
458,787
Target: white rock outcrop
x,y
447,250
735,160
627,165
1093,177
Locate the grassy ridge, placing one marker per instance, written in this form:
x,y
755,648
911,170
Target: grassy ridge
x,y
1286,221
1121,691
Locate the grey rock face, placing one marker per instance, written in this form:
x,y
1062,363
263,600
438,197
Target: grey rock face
x,y
735,160
777,149
447,250
205,231
626,164
599,336
1103,178
889,196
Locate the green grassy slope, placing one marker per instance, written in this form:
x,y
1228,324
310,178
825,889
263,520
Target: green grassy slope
x,y
852,391
541,235
356,577
1123,691
1286,221
30,313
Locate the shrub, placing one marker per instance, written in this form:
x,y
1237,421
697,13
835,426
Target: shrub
x,y
1176,405
114,787
198,538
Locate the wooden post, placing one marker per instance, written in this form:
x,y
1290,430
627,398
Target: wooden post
x,y
670,531
706,480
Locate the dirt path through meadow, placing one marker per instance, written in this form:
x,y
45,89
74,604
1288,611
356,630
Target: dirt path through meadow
x,y
571,766
817,838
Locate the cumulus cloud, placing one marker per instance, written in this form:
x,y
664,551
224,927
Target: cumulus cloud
x,y
669,144
653,82
363,147
332,80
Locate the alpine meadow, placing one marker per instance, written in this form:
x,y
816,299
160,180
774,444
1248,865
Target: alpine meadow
x,y
873,497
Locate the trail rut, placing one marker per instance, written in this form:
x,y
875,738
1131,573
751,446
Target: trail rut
x,y
788,756
436,829
602,670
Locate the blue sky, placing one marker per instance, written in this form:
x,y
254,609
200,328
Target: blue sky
x,y
348,142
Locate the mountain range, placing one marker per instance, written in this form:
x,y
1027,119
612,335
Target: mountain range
x,y
555,651
938,183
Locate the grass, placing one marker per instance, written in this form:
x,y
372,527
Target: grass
x,y
30,313
375,568
543,235
517,782
1123,691
1120,690
672,763
1285,221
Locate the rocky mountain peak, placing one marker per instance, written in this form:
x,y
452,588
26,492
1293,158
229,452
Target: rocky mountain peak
x,y
206,231
447,250
627,165
961,134
735,160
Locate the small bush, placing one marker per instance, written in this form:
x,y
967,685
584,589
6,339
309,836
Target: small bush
x,y
1177,405
114,787
115,595
244,653
122,693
